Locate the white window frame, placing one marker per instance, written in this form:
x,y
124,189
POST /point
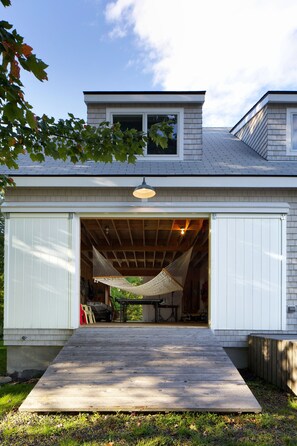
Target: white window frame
x,y
290,113
154,111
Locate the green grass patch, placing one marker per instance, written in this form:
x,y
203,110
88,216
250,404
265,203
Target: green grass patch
x,y
276,426
12,395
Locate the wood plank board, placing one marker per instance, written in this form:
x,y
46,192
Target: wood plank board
x,y
148,369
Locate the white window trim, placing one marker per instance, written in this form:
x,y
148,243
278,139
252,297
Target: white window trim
x,y
144,111
290,113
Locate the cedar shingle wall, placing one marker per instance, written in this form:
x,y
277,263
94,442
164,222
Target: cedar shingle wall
x,y
255,133
189,195
192,126
266,133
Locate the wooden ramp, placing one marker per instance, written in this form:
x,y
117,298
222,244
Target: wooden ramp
x,y
141,368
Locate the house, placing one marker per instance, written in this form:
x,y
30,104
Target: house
x,y
230,194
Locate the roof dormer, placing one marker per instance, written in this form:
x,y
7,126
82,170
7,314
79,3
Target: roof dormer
x,y
140,110
270,126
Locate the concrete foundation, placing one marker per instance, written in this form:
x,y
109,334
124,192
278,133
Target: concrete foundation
x,y
28,362
31,361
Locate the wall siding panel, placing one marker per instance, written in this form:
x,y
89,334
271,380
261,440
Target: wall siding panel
x,y
266,133
39,295
228,337
192,125
248,273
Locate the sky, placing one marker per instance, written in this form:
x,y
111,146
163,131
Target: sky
x,y
235,50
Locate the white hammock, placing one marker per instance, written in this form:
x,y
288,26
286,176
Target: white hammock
x,y
170,279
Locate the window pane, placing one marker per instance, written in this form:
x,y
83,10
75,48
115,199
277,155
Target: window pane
x,y
152,149
129,122
294,132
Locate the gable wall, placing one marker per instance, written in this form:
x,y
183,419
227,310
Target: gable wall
x,y
192,138
266,133
255,133
186,195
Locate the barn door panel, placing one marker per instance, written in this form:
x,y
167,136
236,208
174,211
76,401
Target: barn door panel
x,y
248,278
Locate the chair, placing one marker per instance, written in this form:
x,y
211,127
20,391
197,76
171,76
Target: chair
x,y
90,318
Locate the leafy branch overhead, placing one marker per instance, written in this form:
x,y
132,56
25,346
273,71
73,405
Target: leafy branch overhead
x,y
24,133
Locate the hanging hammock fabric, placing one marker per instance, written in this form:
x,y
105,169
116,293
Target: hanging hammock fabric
x,y
171,278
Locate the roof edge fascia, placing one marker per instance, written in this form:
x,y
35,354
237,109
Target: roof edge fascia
x,y
134,97
146,207
184,182
271,97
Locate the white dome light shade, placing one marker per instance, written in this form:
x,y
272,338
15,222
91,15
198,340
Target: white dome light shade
x,y
144,190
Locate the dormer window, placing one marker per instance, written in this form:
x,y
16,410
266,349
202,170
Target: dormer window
x,y
292,131
142,120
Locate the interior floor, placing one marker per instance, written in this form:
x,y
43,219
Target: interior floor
x,y
139,324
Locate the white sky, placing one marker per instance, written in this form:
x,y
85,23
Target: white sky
x,y
235,50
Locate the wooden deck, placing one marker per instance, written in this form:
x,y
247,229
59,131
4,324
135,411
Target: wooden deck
x,y
141,368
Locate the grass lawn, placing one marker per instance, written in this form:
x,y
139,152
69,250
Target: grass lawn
x,y
277,425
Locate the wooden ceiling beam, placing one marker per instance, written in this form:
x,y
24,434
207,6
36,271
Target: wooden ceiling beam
x,y
150,224
141,248
156,241
130,233
89,236
86,260
139,271
103,232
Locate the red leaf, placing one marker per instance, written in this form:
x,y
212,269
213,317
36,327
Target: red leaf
x,y
26,50
6,45
15,69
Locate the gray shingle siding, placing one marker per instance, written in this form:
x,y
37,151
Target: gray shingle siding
x,y
255,133
184,195
192,125
266,133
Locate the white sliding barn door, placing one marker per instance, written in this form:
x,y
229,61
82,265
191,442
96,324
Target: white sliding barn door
x,y
41,271
248,272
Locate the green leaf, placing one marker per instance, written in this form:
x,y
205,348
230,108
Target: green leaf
x,y
4,24
31,119
37,66
39,157
6,2
12,112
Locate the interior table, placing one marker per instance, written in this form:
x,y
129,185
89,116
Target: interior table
x,y
125,302
174,309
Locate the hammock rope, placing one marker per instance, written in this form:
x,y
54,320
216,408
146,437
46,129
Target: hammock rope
x,y
171,278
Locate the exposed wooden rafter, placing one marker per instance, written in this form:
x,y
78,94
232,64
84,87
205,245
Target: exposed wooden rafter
x,y
143,246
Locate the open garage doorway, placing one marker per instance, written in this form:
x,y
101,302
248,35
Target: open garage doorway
x,y
139,249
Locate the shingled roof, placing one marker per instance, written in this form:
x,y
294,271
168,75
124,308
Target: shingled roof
x,y
223,155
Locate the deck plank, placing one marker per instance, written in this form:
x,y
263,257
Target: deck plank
x,y
141,369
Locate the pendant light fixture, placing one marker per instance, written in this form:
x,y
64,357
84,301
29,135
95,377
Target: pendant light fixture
x,y
144,191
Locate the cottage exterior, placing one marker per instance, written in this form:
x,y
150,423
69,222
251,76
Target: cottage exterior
x,y
242,183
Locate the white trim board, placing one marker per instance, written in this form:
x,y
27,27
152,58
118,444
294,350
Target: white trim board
x,y
158,182
144,112
137,208
109,98
280,98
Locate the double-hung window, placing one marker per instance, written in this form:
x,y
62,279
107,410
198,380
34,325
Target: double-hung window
x,y
142,120
292,131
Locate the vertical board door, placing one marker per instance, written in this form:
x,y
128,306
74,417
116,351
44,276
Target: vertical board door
x,y
40,271
248,272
